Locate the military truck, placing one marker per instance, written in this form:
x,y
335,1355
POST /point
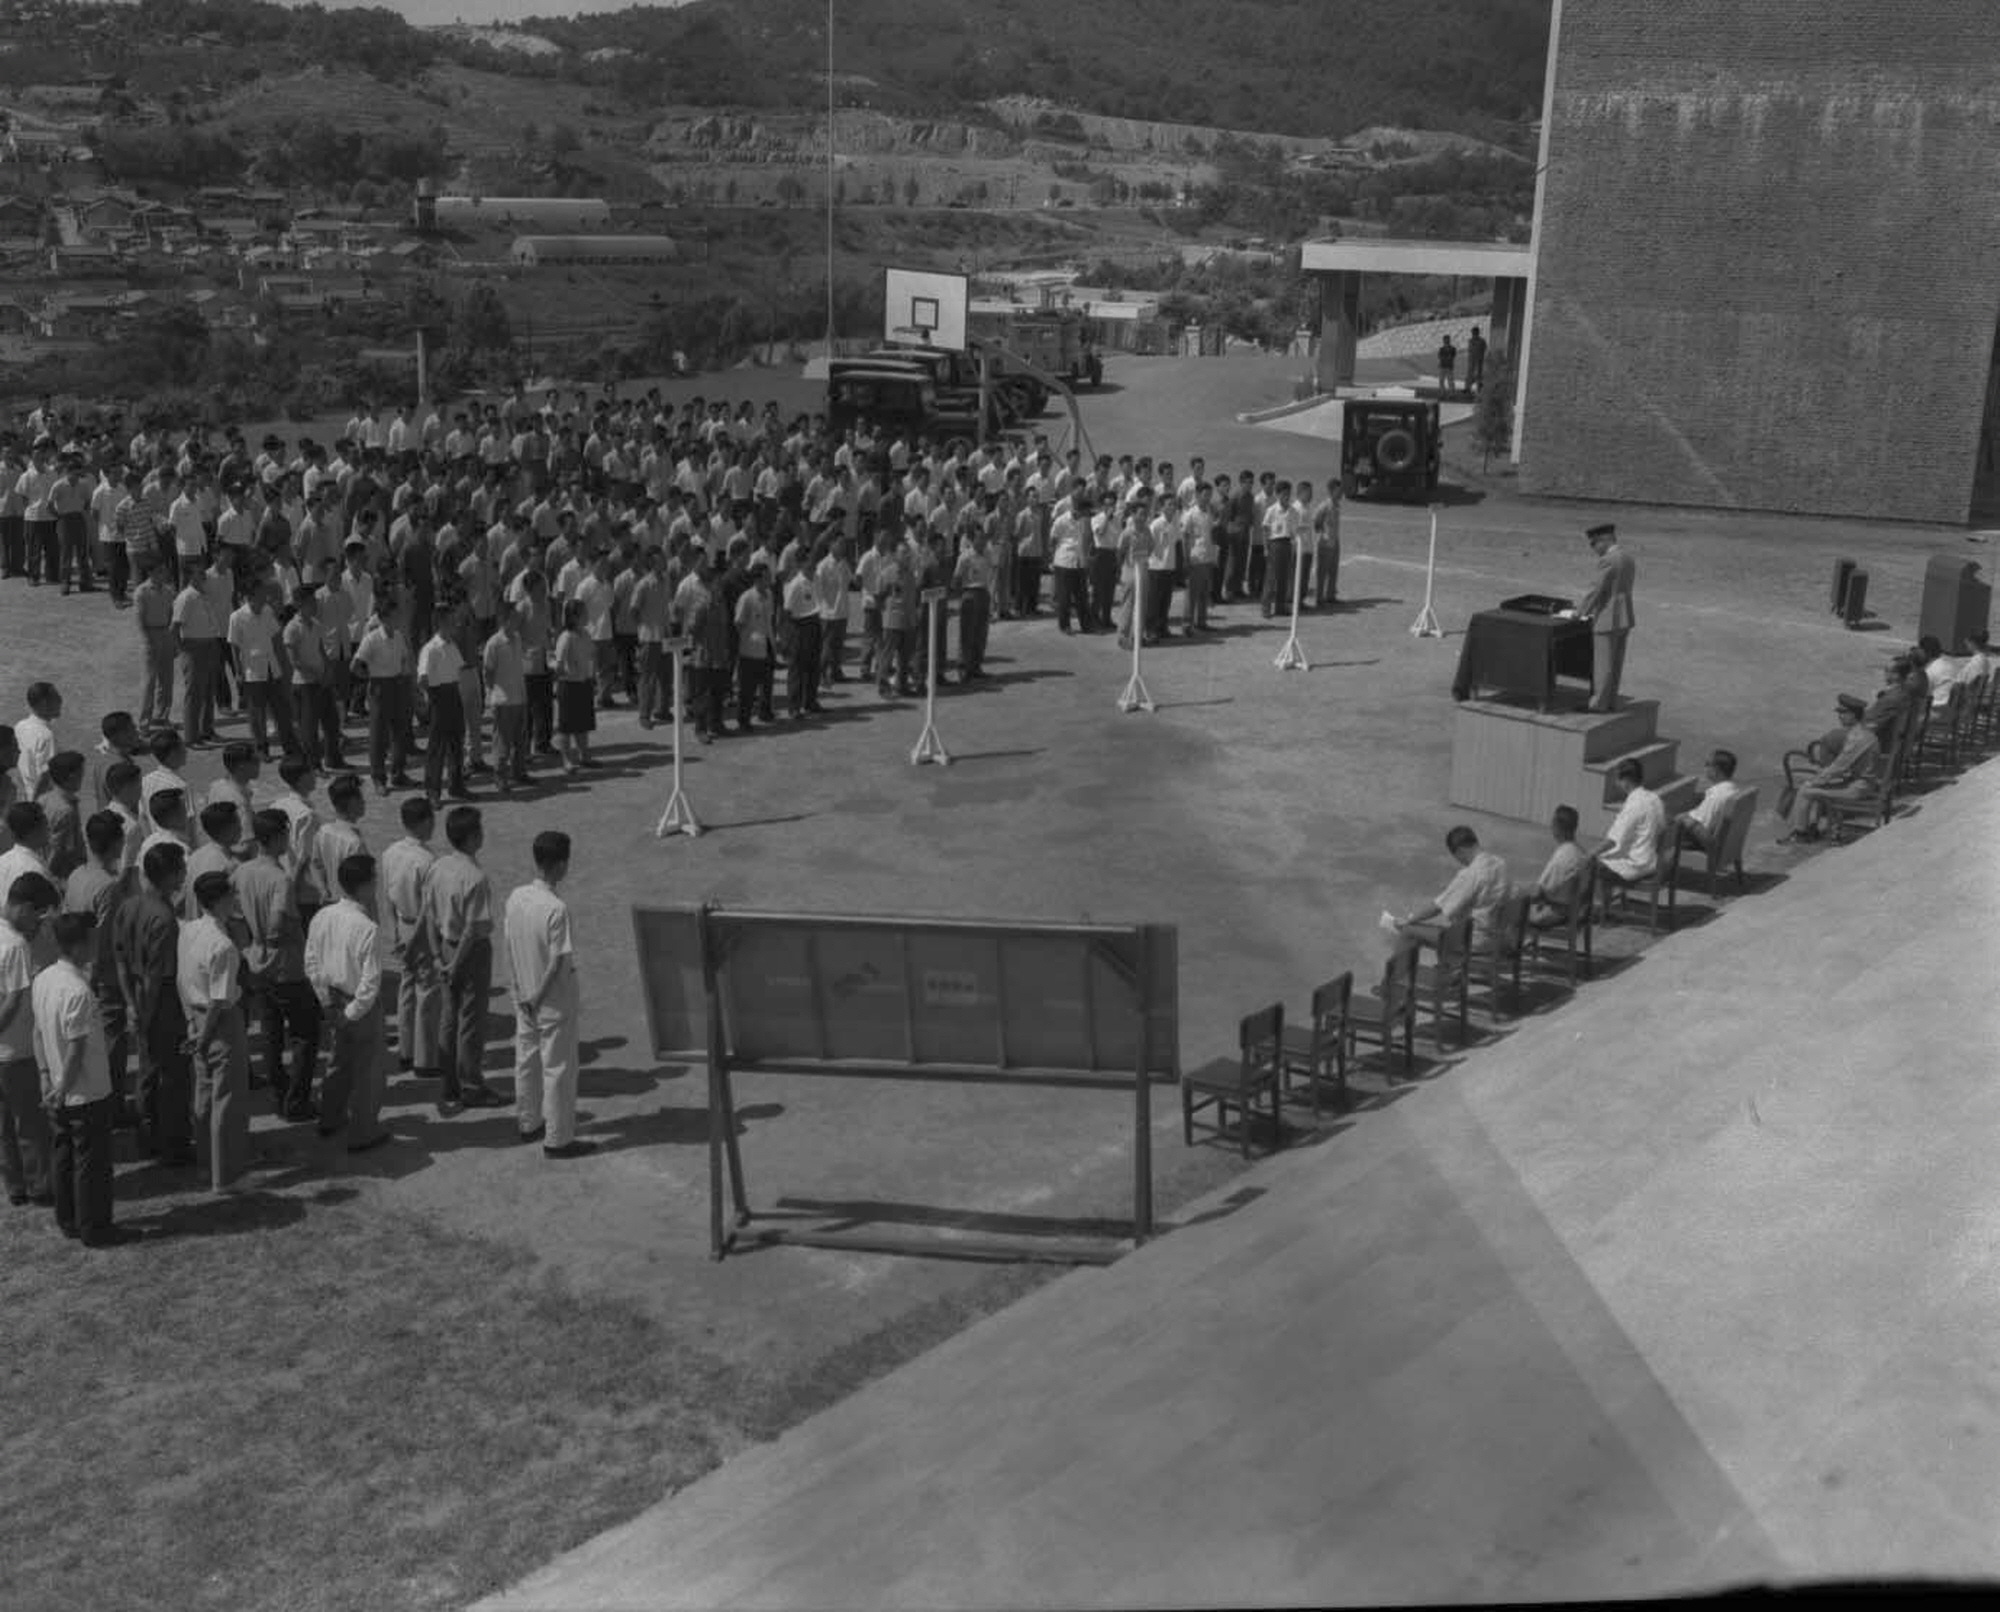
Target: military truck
x,y
1389,446
1054,339
896,394
1020,396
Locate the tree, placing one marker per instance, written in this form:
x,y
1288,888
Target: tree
x,y
729,191
738,329
910,191
564,141
168,347
1493,419
659,341
483,322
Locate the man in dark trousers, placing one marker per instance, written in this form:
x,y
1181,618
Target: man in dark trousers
x,y
24,1129
145,942
1475,360
1608,609
1238,514
460,904
76,1083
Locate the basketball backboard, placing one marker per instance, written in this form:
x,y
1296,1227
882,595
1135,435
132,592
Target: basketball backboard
x,y
926,308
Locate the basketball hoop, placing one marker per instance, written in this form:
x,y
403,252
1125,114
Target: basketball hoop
x,y
924,309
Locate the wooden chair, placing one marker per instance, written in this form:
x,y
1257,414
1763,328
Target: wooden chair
x,y
1318,1052
1938,737
1917,724
1666,869
1392,1007
1725,850
1223,1085
1578,921
1965,727
1449,978
1988,725
1505,945
1875,806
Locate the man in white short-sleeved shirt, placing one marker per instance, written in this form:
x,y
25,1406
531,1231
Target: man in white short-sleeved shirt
x,y
25,906
76,1080
1631,851
542,964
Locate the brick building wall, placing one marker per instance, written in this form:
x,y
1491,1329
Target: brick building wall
x,y
1769,266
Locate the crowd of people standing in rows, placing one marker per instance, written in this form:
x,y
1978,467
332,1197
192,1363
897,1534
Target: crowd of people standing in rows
x,y
498,578
145,944
474,587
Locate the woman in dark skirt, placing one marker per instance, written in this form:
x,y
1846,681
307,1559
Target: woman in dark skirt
x,y
576,690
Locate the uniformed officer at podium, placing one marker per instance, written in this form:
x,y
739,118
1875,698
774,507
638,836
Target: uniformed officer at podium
x,y
1608,609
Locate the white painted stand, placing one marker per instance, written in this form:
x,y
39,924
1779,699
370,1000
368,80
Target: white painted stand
x,y
1292,658
679,816
929,746
1135,697
1426,624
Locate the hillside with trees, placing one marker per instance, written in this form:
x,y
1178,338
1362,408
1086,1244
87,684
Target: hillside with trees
x,y
1301,67
1306,67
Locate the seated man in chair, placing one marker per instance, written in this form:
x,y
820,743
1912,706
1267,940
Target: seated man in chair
x,y
1631,851
1904,687
1479,886
1850,775
1702,826
1549,905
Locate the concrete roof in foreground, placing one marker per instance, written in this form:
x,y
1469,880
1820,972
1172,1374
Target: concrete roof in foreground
x,y
1374,255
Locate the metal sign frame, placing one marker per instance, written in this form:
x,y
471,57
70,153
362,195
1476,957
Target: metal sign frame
x,y
1140,958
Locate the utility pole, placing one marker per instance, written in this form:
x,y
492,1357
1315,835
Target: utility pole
x,y
829,181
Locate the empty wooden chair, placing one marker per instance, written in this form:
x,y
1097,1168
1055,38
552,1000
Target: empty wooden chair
x,y
1318,1052
1223,1085
1389,1012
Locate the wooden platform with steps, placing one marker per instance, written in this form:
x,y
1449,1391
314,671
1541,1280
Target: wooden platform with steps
x,y
1514,761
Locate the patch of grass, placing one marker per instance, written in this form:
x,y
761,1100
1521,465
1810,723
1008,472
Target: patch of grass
x,y
314,1402
340,1409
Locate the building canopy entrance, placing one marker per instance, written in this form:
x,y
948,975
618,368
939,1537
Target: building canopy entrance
x,y
1338,267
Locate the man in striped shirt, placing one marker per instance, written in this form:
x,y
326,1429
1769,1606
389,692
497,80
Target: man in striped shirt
x,y
131,537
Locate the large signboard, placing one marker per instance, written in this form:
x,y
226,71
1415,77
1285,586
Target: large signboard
x,y
932,998
922,307
816,993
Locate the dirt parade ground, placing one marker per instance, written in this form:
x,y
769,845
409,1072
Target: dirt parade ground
x,y
1270,815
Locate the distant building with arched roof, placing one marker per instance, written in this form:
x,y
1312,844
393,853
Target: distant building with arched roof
x,y
542,251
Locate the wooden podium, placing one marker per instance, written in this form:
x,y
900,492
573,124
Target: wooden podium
x,y
1514,760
